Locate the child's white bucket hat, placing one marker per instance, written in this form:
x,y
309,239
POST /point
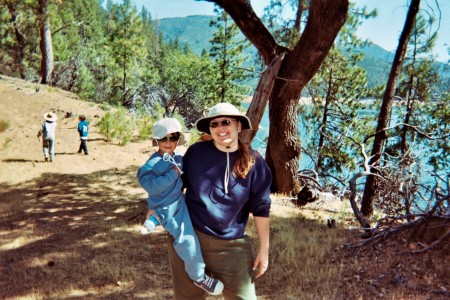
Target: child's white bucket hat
x,y
165,126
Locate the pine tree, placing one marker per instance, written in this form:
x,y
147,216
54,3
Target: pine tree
x,y
127,49
227,52
418,79
335,90
153,44
77,39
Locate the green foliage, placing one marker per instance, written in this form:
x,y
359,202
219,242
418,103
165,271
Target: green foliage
x,y
418,84
281,26
4,125
227,53
127,46
106,125
18,36
184,78
117,125
144,122
336,118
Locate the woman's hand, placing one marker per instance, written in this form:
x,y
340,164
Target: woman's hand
x,y
262,259
261,263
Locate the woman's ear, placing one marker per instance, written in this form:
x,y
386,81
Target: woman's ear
x,y
239,127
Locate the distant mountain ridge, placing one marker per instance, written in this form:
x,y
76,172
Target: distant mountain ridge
x,y
195,31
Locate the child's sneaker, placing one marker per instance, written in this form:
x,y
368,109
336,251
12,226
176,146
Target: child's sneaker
x,y
211,285
149,225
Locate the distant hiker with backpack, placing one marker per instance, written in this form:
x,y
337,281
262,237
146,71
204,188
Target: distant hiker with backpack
x,y
47,132
83,130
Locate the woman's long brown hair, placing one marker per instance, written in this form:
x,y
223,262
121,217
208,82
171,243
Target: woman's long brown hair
x,y
244,161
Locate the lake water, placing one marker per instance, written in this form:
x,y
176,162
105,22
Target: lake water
x,y
260,143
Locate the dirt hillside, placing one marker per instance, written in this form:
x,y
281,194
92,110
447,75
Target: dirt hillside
x,y
23,104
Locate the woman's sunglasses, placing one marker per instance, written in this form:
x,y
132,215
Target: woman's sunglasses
x,y
170,138
224,123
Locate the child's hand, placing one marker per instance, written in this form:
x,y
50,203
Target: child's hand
x,y
176,169
149,213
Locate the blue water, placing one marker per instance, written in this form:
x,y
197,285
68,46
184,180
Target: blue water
x,y
260,143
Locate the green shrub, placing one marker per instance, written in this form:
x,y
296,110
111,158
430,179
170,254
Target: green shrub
x,y
117,125
145,124
194,136
3,125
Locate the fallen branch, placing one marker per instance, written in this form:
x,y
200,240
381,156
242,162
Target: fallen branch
x,y
434,244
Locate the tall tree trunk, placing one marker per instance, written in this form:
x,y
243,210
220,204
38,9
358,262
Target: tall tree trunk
x,y
323,127
298,16
386,107
45,43
124,78
404,144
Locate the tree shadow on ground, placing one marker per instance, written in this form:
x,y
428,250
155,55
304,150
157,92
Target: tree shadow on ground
x,y
64,235
17,160
77,236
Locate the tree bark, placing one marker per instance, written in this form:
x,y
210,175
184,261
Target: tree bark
x,y
386,108
326,17
45,43
261,96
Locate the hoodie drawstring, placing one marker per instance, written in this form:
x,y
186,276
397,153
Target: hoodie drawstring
x,y
169,158
227,174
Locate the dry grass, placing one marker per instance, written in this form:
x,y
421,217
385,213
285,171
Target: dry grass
x,y
70,229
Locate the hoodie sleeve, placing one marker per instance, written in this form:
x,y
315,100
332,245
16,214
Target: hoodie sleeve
x,y
261,180
156,176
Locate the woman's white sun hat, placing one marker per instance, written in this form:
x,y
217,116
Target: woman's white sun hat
x,y
165,126
222,110
50,116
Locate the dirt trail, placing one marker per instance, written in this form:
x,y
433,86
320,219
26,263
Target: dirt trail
x,y
21,157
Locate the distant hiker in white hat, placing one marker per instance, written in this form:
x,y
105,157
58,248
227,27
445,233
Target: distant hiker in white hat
x,y
160,177
47,132
225,182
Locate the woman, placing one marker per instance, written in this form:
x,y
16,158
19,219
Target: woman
x,y
225,181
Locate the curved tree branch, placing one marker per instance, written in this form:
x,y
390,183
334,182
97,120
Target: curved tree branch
x,y
252,27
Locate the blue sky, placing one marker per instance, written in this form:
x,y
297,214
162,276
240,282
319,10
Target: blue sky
x,y
384,30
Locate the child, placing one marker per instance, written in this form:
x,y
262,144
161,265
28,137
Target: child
x,y
47,131
160,177
83,130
